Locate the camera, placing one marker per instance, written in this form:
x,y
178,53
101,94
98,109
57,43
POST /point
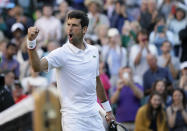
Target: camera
x,y
125,75
160,28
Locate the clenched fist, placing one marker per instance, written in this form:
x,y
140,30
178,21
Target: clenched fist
x,y
32,33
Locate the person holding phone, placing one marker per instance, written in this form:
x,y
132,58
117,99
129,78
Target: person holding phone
x,y
127,94
160,34
138,54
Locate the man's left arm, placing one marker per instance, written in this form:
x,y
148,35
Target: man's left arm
x,y
104,101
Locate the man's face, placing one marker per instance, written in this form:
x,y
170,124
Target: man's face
x,y
74,30
93,7
9,79
152,61
11,51
47,11
166,47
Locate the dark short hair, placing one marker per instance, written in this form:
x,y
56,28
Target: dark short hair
x,y
184,96
47,5
11,44
79,15
142,31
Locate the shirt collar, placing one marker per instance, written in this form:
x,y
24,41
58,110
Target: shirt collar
x,y
77,50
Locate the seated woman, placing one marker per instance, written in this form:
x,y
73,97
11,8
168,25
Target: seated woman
x,y
151,117
177,112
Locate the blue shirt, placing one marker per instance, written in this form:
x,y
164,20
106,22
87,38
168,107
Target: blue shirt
x,y
127,105
12,65
150,77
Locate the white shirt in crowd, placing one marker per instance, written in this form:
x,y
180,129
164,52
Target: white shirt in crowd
x,y
76,72
140,69
49,28
174,60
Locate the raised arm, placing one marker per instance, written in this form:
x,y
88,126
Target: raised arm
x,y
37,64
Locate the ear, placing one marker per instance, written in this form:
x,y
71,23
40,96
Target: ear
x,y
85,29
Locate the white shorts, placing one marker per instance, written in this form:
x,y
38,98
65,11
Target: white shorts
x,y
92,123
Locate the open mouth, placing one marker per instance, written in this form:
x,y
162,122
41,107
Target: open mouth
x,y
70,36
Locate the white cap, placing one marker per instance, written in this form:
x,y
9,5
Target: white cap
x,y
183,65
17,26
113,32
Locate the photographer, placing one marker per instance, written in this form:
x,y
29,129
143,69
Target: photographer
x,y
127,97
161,34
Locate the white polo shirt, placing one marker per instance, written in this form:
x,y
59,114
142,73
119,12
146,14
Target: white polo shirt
x,y
76,72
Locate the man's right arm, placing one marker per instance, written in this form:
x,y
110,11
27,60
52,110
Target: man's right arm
x,y
37,64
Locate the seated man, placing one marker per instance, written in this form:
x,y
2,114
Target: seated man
x,y
154,73
127,96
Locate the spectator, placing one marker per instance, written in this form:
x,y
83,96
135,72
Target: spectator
x,y
33,82
154,73
151,116
104,78
127,94
148,15
177,112
9,77
176,24
53,31
3,44
138,54
79,5
166,7
95,16
114,55
160,87
120,16
18,92
63,10
128,36
101,33
17,30
133,8
161,34
3,26
18,16
23,59
37,14
6,99
183,38
109,8
167,60
183,78
8,60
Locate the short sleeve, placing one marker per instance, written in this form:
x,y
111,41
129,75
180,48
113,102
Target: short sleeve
x,y
55,59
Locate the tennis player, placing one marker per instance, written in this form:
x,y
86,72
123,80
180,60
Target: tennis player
x,y
77,74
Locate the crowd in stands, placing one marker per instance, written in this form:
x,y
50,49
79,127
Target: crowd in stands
x,y
143,62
